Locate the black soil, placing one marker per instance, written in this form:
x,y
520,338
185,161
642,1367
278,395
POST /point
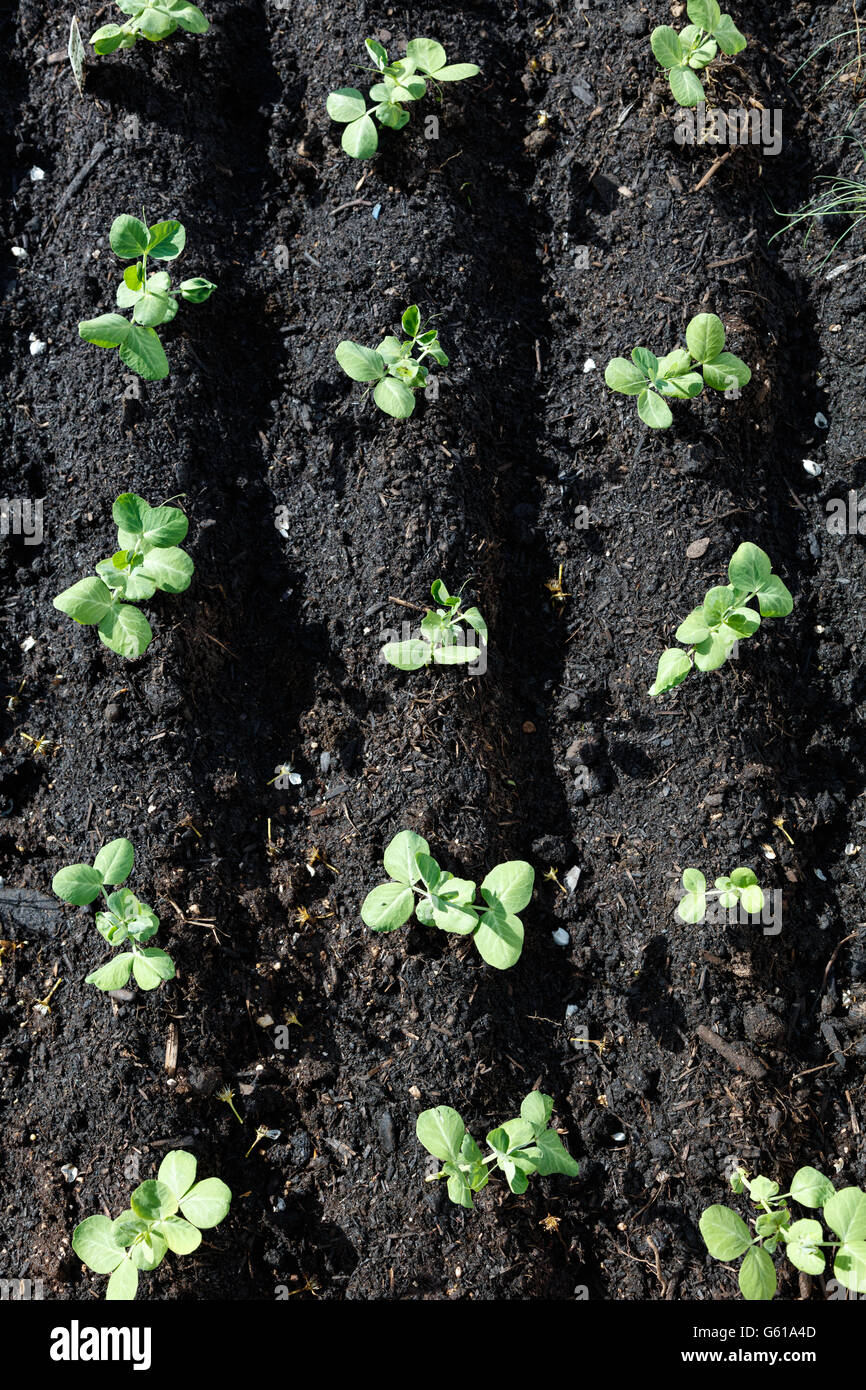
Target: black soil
x,y
310,512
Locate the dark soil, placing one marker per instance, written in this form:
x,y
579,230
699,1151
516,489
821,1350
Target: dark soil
x,y
556,754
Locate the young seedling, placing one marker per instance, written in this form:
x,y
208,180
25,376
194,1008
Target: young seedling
x,y
519,1148
686,53
148,296
398,374
140,1238
126,921
449,903
399,82
442,640
727,1236
725,617
681,375
151,19
148,559
739,888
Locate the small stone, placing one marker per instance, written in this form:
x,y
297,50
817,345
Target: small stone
x,y
561,937
634,24
698,548
113,713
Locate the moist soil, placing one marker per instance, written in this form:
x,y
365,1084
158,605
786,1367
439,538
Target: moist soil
x,y
555,222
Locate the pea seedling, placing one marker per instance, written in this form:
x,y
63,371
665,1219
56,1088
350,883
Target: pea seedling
x,y
148,559
727,1236
681,374
397,373
685,54
148,296
442,639
519,1148
151,19
399,82
126,920
449,903
725,617
739,888
140,1238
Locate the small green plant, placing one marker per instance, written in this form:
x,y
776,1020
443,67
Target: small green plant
x,y
125,921
725,617
519,1148
739,888
140,1238
148,559
148,296
680,375
686,53
398,374
449,903
727,1236
442,638
151,19
399,82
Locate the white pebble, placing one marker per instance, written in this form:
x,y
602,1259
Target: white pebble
x,y
572,878
19,253
561,937
589,365
821,421
37,347
37,174
812,468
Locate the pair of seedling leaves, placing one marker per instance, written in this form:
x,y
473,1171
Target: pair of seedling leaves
x,y
140,1237
737,889
149,296
449,903
151,19
727,1236
148,559
398,374
684,54
399,82
725,617
681,375
519,1148
442,639
127,920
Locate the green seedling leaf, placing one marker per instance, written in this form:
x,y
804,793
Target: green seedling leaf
x,y
550,1155
686,87
427,55
705,337
359,363
400,857
441,1131
206,1204
674,665
346,104
774,599
802,1241
128,237
197,290
509,886
153,1200
845,1213
149,1252
408,656
147,527
725,1234
114,975
78,884
810,1188
665,44
94,1244
387,907
114,861
170,569
850,1265
394,397
749,568
150,967
757,1277
123,1284
166,240
725,372
180,1237
537,1109
360,139
728,36
706,14
693,629
87,602
654,411
125,630
499,938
